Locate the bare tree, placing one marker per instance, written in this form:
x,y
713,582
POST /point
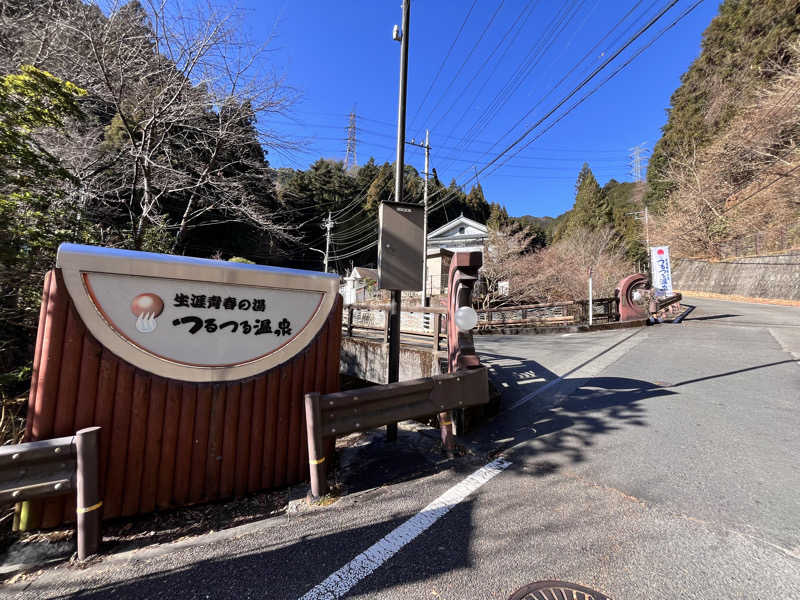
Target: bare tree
x,y
560,272
744,181
180,102
502,258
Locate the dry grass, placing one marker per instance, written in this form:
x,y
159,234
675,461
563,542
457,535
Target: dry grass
x,y
745,181
12,420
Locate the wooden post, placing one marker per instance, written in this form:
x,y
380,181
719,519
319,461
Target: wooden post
x,y
349,321
316,449
437,327
446,431
88,501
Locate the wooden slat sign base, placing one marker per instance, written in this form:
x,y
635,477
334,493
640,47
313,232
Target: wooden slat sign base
x,y
174,433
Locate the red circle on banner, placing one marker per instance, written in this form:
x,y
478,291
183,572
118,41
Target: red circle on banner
x,y
660,251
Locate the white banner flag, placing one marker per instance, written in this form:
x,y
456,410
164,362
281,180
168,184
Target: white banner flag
x,y
662,273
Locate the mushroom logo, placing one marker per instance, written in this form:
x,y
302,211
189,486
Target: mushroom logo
x,y
146,308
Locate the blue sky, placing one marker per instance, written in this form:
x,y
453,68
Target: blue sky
x,y
507,58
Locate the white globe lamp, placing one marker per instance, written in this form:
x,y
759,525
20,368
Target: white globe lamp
x,y
466,318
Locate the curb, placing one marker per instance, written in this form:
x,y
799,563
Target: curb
x,y
680,317
561,329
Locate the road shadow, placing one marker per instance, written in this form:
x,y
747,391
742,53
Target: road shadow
x,y
559,428
286,571
710,317
562,418
515,376
373,461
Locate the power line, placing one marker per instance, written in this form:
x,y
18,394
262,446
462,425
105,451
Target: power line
x,y
531,60
572,70
597,70
526,8
469,55
594,73
441,65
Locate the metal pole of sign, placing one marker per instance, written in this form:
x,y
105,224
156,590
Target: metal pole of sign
x,y
394,312
425,224
591,311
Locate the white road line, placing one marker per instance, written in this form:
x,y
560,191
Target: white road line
x,y
340,582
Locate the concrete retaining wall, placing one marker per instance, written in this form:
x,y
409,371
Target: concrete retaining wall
x,y
369,360
776,276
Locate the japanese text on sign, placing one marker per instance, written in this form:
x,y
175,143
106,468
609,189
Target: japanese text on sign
x,y
662,273
197,323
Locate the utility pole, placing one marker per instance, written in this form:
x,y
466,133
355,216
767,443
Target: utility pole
x,y
427,147
394,310
328,227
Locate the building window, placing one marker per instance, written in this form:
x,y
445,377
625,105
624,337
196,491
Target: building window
x,y
461,230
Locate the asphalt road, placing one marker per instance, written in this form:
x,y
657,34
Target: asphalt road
x,y
652,463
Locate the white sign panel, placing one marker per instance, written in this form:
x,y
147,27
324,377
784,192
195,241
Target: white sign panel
x,y
194,319
662,273
199,323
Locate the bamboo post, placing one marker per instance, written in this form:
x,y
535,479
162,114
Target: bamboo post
x,y
88,500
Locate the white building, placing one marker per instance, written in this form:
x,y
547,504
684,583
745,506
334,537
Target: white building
x,y
459,235
359,285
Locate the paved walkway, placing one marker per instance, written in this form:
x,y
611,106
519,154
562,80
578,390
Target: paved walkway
x,y
657,463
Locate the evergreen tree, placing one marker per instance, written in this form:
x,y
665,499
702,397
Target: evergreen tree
x,y
591,209
498,217
743,48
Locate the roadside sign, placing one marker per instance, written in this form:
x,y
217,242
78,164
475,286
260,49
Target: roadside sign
x,y
193,319
662,272
400,244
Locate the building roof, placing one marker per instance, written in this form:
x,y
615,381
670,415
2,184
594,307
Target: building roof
x,y
458,222
364,273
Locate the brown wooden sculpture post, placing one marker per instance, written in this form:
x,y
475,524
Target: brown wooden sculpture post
x,y
316,449
88,489
460,347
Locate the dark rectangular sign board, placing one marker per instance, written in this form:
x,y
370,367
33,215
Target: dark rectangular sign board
x,y
400,245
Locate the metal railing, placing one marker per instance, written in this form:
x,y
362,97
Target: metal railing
x,y
34,470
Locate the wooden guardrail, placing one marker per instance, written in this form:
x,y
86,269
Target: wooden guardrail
x,y
438,313
548,314
332,415
54,467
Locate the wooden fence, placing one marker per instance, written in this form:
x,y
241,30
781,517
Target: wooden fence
x,y
414,320
552,314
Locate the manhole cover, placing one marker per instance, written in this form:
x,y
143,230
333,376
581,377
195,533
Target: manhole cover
x,y
556,590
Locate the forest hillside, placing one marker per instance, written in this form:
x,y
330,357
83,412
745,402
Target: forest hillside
x,y
724,176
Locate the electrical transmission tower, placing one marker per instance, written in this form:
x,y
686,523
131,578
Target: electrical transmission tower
x,y
350,159
636,154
